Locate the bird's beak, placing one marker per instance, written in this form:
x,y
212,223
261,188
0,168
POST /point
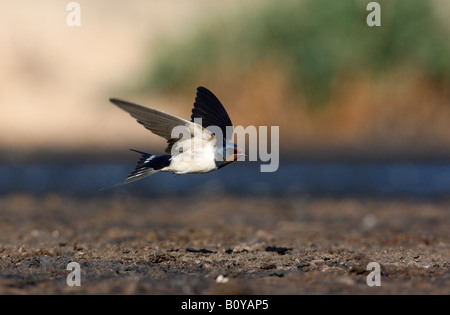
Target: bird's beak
x,y
237,153
231,158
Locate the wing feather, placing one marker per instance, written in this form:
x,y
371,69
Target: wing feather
x,y
208,107
158,122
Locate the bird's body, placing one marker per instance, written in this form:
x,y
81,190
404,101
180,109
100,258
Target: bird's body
x,y
192,148
200,159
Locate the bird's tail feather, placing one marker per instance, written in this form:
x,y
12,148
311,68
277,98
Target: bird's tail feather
x,y
147,165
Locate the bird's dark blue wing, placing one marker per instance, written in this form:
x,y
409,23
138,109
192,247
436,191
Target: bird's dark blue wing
x,y
208,107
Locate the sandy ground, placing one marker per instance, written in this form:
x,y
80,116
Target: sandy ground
x,y
223,245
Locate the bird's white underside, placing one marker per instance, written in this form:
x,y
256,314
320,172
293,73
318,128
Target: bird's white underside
x,y
197,156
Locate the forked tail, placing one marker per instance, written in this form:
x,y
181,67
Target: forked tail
x,y
147,165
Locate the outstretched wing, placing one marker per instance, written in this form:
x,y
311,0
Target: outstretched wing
x,y
154,120
208,107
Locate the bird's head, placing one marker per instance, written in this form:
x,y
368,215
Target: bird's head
x,y
231,152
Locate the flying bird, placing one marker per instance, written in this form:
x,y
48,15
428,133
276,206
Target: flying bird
x,y
192,146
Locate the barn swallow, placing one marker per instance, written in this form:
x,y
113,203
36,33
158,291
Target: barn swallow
x,y
196,154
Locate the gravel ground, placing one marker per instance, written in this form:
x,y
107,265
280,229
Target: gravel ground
x,y
225,244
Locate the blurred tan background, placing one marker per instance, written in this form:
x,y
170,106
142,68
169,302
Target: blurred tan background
x,y
311,73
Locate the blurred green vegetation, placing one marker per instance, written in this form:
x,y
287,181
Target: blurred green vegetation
x,y
315,41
